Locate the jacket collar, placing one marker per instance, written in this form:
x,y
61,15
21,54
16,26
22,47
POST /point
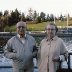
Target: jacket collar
x,y
53,39
23,37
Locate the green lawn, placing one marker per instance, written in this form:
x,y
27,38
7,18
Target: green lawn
x,y
39,26
36,27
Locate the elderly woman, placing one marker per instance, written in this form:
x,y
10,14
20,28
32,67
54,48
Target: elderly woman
x,y
51,47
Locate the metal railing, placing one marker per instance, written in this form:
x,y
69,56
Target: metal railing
x,y
4,36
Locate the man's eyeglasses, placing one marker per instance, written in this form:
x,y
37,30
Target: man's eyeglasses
x,y
21,27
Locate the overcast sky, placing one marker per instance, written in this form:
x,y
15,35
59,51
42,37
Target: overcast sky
x,y
48,6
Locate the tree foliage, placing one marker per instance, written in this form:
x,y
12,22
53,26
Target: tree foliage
x,y
42,15
11,18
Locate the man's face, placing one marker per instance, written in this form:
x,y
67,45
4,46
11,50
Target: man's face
x,y
50,31
21,28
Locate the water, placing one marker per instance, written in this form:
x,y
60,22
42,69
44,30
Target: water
x,y
10,70
5,69
6,64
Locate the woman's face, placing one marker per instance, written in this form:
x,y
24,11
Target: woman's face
x,y
50,31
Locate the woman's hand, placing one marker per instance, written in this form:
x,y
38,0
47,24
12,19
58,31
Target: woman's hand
x,y
56,59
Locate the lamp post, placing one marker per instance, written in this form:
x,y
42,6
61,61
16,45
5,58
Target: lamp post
x,y
67,22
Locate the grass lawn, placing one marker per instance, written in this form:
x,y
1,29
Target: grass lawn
x,y
39,26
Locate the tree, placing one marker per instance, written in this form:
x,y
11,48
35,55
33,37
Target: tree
x,y
14,17
30,14
6,17
17,14
23,17
1,14
34,16
61,17
38,19
6,13
48,18
51,17
1,25
42,15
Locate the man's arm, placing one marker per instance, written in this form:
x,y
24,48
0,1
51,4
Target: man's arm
x,y
9,52
35,50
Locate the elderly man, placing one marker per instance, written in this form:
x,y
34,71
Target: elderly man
x,y
51,47
21,49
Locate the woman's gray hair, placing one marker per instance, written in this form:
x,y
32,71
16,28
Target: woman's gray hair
x,y
54,25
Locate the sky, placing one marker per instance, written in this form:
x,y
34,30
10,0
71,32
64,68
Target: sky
x,y
55,7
